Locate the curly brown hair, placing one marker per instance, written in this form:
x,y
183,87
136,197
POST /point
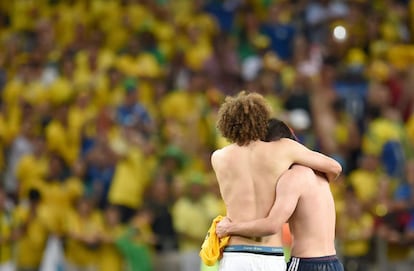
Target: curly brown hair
x,y
243,118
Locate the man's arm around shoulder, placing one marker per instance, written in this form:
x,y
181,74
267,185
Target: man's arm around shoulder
x,y
300,154
288,192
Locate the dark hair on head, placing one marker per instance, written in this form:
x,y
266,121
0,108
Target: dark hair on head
x,y
277,129
243,118
34,195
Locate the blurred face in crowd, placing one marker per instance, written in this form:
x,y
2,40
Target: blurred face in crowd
x,y
68,67
409,172
112,216
39,145
55,167
196,191
160,190
130,97
198,82
369,162
84,207
353,205
2,199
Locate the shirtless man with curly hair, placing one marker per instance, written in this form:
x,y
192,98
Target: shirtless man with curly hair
x,y
248,171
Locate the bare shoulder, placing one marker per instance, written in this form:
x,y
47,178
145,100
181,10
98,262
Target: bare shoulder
x,y
302,169
298,173
218,156
282,144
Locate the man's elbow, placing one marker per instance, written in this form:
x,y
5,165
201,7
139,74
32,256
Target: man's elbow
x,y
336,168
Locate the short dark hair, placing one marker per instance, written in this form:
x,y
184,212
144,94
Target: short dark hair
x,y
277,129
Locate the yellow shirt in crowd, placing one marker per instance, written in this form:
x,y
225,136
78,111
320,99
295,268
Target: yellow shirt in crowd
x,y
31,245
130,179
76,252
29,171
185,212
110,258
63,140
5,234
354,245
58,197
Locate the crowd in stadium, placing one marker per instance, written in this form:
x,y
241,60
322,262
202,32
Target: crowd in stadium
x,y
108,111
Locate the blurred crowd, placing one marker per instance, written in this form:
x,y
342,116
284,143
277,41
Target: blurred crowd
x,y
108,110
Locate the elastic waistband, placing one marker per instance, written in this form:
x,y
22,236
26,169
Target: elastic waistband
x,y
329,258
275,251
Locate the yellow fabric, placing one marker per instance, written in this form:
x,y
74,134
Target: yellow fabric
x,y
60,91
110,257
5,233
77,252
30,170
184,112
197,55
10,123
30,246
58,198
64,140
379,132
185,212
131,177
354,245
397,252
212,247
79,117
410,128
12,91
365,183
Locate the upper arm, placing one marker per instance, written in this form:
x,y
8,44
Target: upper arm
x,y
288,191
300,154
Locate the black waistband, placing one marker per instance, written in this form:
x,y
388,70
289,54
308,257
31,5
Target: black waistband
x,y
262,250
329,258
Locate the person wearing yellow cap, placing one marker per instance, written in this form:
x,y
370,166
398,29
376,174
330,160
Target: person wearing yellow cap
x,y
251,167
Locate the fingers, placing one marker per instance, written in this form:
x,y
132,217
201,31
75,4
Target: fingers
x,y
222,227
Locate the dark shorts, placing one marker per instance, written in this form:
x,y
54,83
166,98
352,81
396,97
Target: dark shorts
x,y
327,263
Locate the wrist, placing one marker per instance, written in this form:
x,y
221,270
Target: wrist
x,y
231,228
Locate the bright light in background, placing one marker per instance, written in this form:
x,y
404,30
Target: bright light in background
x,y
339,33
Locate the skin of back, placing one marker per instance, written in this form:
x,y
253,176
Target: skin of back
x,y
313,222
248,175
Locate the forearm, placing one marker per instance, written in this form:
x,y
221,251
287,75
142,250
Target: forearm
x,y
332,168
255,228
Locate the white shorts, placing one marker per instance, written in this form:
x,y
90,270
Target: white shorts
x,y
249,261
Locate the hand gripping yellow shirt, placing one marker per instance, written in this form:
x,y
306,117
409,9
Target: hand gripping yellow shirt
x,y
212,247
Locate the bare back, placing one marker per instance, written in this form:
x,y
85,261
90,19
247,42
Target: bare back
x,y
313,222
247,177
